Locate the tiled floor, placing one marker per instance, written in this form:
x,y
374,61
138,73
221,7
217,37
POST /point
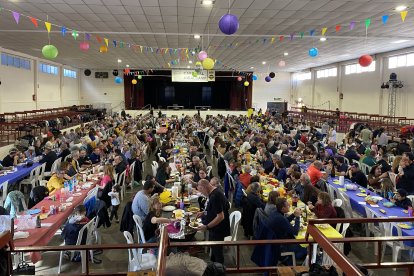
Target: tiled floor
x,y
117,260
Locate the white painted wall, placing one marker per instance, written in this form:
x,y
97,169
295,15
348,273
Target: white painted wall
x,y
101,91
19,85
264,92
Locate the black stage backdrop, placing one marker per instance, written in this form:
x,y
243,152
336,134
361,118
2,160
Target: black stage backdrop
x,y
157,89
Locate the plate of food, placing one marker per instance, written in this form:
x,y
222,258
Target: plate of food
x,y
322,226
168,208
405,226
193,209
361,194
195,224
179,214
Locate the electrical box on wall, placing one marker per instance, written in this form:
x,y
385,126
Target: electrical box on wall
x,y
341,96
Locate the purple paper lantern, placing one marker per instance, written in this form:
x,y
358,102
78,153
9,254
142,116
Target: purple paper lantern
x,y
268,79
202,55
229,24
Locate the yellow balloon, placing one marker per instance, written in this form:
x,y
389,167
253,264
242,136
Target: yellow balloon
x,y
134,81
208,64
246,83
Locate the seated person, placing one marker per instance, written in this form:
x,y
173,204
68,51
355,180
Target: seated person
x,y
58,177
323,207
401,199
12,159
49,156
74,164
84,158
341,167
95,156
30,153
140,203
64,151
375,177
369,158
245,177
310,194
314,172
163,174
356,175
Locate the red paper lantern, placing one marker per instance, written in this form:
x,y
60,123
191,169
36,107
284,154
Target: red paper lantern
x,y
365,60
127,71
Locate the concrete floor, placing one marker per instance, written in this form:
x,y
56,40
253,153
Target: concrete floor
x,y
117,260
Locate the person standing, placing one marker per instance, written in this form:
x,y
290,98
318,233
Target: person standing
x,y
114,194
216,217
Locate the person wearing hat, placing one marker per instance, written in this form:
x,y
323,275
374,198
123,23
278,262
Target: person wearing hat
x,y
30,153
357,176
49,156
12,159
401,199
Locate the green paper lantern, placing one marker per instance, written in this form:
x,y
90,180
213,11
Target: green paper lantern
x,y
139,77
50,51
195,74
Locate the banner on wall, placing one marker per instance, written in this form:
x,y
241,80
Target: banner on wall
x,y
181,75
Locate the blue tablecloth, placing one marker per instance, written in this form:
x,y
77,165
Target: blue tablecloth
x,y
21,173
360,208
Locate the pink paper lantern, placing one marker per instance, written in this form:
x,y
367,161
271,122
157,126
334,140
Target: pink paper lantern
x,y
84,46
202,55
239,78
282,63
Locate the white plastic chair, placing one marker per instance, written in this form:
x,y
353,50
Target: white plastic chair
x,y
331,191
337,202
208,170
411,197
4,188
140,230
372,228
162,159
42,169
131,172
235,218
55,166
346,204
395,246
137,260
346,160
89,230
120,180
29,181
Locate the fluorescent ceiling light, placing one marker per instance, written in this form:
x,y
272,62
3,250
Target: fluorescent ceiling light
x,y
400,41
197,36
127,66
263,62
190,61
285,53
188,66
193,52
322,39
207,2
401,8
252,67
119,61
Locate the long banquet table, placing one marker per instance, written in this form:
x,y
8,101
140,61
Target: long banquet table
x,y
22,172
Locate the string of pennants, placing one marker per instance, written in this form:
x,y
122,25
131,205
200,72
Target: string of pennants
x,y
186,51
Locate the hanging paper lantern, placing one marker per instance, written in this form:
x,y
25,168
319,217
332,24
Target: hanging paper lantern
x,y
239,78
139,77
268,79
313,52
202,55
194,74
103,49
50,51
118,80
198,63
229,24
246,83
272,75
84,46
282,63
254,77
365,60
208,64
134,81
127,71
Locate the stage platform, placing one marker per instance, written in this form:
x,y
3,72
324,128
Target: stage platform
x,y
190,112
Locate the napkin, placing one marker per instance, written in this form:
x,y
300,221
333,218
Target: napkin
x,y
69,199
374,205
362,203
20,235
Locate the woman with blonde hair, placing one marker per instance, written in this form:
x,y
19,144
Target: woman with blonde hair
x,y
396,164
108,175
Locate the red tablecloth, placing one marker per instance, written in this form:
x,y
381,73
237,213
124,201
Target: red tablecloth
x,y
42,236
162,130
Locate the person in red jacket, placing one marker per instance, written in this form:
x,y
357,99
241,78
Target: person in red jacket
x,y
323,207
314,172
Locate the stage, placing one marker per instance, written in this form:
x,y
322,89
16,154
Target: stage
x,y
189,112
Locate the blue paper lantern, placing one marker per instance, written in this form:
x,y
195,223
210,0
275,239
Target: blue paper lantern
x,y
268,79
229,24
118,80
313,52
254,77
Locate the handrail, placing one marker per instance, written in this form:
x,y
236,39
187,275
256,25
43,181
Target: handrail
x,y
145,107
162,252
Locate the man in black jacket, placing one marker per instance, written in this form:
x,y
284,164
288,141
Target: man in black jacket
x,y
356,175
49,156
406,175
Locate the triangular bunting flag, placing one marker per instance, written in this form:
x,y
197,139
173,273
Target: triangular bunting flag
x,y
367,22
63,30
16,16
301,34
292,36
338,28
99,39
352,25
385,19
114,42
121,44
48,26
88,37
106,42
34,21
324,31
272,40
403,15
281,38
75,34
312,32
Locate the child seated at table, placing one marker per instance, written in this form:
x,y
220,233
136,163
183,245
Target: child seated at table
x,y
401,199
71,230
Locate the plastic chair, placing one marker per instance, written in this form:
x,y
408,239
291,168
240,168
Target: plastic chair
x,y
372,228
29,181
162,159
411,197
331,191
235,218
346,204
395,246
337,202
55,166
346,160
154,167
42,169
137,260
4,188
208,170
88,228
131,172
140,230
120,180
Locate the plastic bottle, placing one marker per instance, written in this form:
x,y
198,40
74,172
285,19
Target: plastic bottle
x,y
38,222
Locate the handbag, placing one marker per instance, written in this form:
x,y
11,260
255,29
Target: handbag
x,y
24,268
318,270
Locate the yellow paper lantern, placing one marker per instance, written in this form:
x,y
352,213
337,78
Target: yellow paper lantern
x,y
208,64
246,83
103,49
134,81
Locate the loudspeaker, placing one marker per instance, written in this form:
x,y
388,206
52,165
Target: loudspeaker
x,y
393,76
87,72
115,72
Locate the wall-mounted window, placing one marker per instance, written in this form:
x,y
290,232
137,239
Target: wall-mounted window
x,y
69,73
303,76
401,61
15,61
326,73
358,69
48,69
